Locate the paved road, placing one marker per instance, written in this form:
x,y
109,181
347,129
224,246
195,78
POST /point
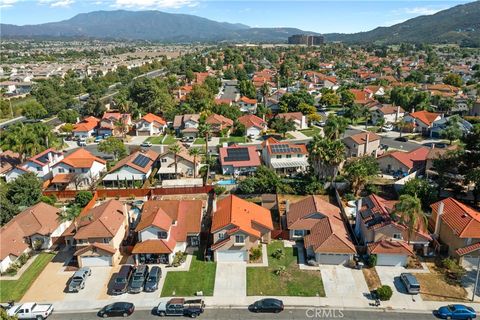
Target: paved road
x,y
290,314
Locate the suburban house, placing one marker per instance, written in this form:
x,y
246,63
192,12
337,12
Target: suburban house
x,y
80,168
185,164
114,123
422,121
389,113
8,161
132,170
238,226
439,125
384,235
150,125
361,97
284,157
363,143
167,227
298,119
254,126
186,125
86,128
247,105
320,225
457,226
239,160
40,164
219,124
97,234
403,162
37,226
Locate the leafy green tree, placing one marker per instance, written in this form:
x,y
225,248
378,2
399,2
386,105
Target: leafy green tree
x,y
25,191
265,180
473,177
239,130
213,84
335,126
33,110
325,156
8,209
225,110
68,115
452,130
282,125
359,171
353,112
265,91
247,88
229,74
93,107
421,188
410,213
200,98
472,139
113,146
346,98
330,99
291,102
82,198
453,79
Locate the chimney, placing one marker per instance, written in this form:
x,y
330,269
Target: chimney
x,y
398,114
366,143
214,204
287,206
439,220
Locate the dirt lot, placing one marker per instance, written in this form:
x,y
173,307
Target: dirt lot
x,y
372,278
435,288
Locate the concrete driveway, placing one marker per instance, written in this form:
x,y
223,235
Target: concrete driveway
x,y
230,280
94,286
400,298
345,284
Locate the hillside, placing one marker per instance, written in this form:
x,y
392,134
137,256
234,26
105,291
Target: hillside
x,y
460,24
148,25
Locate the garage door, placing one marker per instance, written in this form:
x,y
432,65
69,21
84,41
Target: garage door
x,y
323,258
231,256
469,262
101,261
391,260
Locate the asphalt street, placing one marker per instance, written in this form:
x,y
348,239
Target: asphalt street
x,y
288,314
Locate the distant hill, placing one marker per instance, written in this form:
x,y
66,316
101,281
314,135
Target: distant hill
x,y
148,25
460,24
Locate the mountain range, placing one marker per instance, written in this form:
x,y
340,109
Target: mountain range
x,y
460,24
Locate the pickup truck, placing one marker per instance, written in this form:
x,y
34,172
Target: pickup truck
x,y
181,307
77,281
31,310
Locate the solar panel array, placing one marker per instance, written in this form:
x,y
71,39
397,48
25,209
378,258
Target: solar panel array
x,y
237,154
284,148
141,160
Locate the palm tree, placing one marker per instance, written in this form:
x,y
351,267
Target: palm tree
x,y
401,125
70,214
409,211
175,149
380,123
121,127
326,155
264,91
367,115
205,130
335,126
194,152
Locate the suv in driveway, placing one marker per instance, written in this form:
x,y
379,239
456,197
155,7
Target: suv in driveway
x,y
120,284
153,278
138,279
77,281
410,283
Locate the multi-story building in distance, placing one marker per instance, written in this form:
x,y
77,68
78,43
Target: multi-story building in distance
x,y
309,40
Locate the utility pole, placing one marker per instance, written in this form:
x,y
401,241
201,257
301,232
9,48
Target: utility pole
x,y
476,279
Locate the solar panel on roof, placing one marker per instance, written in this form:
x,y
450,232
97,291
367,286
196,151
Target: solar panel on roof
x,y
141,161
284,148
237,154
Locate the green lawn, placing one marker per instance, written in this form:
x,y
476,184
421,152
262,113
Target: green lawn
x,y
158,139
233,139
169,139
155,140
262,281
200,277
15,289
199,141
310,132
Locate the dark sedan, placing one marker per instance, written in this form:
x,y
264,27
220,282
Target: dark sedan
x,y
267,305
117,309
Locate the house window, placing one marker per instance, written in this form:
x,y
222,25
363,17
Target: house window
x,y
106,240
39,169
162,235
298,233
397,236
289,156
279,157
71,170
61,170
84,170
221,235
164,160
239,239
299,155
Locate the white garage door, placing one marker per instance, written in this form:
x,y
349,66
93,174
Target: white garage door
x,y
323,258
101,261
231,256
391,260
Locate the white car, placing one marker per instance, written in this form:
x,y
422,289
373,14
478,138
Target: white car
x,y
146,144
387,127
31,310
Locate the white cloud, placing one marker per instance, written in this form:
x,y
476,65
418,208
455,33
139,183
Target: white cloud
x,y
143,4
423,10
7,3
62,3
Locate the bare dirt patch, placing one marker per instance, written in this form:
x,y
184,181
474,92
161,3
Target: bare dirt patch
x,y
372,278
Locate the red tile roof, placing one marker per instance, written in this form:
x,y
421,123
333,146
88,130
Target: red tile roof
x,y
468,249
251,120
87,124
96,245
426,117
8,160
36,158
248,100
361,137
389,247
462,219
150,117
291,115
219,119
129,161
254,159
81,158
157,246
409,158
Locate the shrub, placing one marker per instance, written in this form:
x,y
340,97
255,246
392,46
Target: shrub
x,y
349,196
37,245
372,260
179,258
454,270
83,198
384,293
280,270
23,259
219,190
49,199
12,270
278,254
255,253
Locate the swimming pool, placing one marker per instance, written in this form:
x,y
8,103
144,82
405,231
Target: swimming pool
x,y
226,182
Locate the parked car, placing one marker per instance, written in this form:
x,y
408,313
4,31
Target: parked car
x,y
31,310
456,311
98,138
117,309
410,283
401,139
146,144
138,279
387,127
77,281
267,305
82,143
120,284
151,284
181,307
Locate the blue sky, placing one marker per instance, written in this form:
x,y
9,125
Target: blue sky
x,y
320,16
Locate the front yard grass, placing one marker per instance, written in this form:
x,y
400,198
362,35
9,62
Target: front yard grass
x,y
15,289
262,281
233,139
155,140
310,132
199,141
169,139
200,277
434,286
